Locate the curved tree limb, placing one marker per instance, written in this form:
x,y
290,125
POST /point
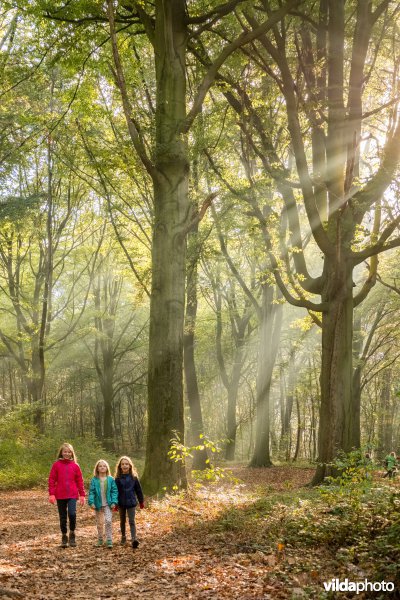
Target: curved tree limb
x,y
133,128
244,38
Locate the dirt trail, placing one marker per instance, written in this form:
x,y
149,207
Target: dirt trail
x,y
177,558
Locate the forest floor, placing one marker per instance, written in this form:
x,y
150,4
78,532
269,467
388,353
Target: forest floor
x,y
220,542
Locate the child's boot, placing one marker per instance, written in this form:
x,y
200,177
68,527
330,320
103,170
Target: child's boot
x,y
109,544
99,542
64,540
72,541
135,543
123,540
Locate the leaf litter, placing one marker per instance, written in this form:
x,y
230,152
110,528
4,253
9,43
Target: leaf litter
x,y
192,546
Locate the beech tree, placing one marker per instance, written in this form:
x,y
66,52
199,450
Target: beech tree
x,y
168,27
325,64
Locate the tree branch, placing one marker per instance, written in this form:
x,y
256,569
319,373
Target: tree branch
x,y
244,38
198,216
121,83
220,11
288,87
232,267
377,185
380,246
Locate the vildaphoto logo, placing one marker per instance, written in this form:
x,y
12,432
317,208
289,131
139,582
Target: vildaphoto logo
x,y
335,585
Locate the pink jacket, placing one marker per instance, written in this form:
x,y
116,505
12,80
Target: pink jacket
x,y
65,480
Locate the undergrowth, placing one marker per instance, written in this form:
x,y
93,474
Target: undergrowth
x,y
350,527
26,456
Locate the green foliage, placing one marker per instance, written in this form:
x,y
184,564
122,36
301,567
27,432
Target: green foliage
x,y
26,456
16,208
354,478
313,527
180,453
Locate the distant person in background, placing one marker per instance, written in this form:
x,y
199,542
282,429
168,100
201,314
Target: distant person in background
x,y
367,464
65,488
129,496
391,465
103,497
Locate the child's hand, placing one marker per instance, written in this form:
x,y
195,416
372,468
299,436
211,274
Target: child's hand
x,y
141,504
52,499
92,506
81,500
115,509
112,506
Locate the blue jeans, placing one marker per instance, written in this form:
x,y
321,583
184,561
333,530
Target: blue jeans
x,y
67,506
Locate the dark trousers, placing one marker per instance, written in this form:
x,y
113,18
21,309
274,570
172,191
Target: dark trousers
x,y
390,473
67,507
122,520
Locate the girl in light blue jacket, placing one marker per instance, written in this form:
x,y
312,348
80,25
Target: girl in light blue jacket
x,y
103,497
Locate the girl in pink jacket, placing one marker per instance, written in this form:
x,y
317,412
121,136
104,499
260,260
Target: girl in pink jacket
x,y
65,487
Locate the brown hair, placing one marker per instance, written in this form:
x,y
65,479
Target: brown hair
x,y
66,445
118,470
96,467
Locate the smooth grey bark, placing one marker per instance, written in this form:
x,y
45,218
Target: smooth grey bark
x,y
286,410
270,329
385,416
231,381
192,387
233,391
338,420
171,212
106,292
300,430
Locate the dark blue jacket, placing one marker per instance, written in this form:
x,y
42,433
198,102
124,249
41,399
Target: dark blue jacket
x,y
129,491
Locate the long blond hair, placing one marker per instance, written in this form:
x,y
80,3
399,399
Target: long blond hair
x,y
70,447
96,467
132,469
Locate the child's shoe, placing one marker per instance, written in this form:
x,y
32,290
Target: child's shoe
x,y
64,540
109,543
123,540
135,543
99,542
72,541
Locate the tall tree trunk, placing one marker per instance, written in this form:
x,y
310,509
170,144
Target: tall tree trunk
x,y
81,406
107,390
171,211
233,390
299,431
12,387
338,424
35,382
270,328
313,433
98,419
43,321
106,293
385,431
192,388
359,358
286,434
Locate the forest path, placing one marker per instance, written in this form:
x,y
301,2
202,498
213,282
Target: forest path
x,y
178,557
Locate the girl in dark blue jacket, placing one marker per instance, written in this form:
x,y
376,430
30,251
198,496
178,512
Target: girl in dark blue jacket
x,y
129,495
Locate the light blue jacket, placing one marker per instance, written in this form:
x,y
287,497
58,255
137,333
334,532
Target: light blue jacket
x,y
95,492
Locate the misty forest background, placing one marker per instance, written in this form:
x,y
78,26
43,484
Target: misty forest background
x,y
199,232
